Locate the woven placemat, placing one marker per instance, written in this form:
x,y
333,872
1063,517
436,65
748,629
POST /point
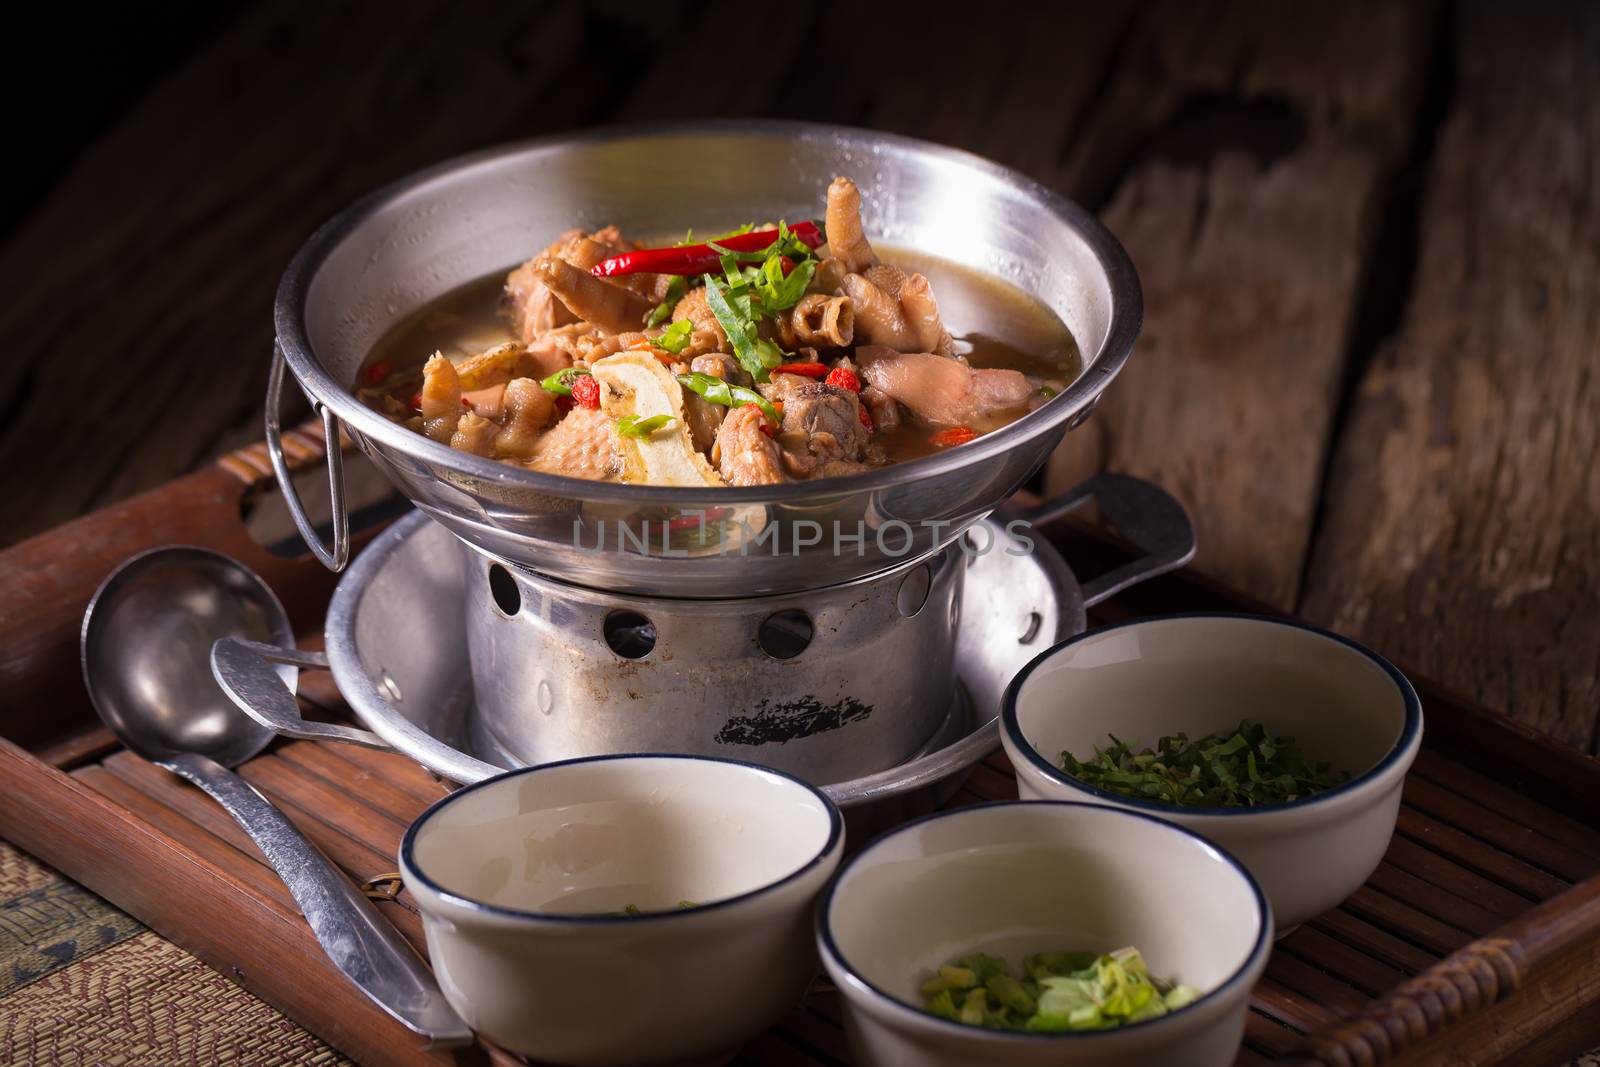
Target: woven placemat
x,y
82,983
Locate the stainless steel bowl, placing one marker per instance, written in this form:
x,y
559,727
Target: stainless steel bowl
x,y
405,245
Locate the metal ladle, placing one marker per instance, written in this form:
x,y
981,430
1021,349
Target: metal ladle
x,y
146,645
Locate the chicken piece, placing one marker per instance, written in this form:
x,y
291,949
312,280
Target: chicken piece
x,y
532,307
881,406
582,445
828,276
703,418
693,307
825,321
589,348
897,311
743,453
702,342
528,410
947,392
821,425
878,318
528,303
922,315
888,277
566,345
780,387
497,366
612,307
846,240
475,434
441,398
720,365
706,418
586,252
489,403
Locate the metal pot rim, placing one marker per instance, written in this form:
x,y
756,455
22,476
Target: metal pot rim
x,y
1104,364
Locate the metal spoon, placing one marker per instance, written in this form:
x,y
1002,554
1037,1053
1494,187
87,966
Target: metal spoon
x,y
146,645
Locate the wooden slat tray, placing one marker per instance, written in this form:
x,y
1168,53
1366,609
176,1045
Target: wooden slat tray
x,y
1477,940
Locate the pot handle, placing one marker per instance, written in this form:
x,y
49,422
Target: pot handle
x,y
336,557
244,670
1143,513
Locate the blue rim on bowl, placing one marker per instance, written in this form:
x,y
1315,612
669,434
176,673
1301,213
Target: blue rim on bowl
x,y
1258,950
1408,733
410,868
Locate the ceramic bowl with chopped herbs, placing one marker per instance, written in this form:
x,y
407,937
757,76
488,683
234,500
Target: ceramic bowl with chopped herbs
x,y
1030,932
1285,744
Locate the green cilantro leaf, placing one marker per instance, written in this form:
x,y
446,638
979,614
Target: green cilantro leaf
x,y
1242,767
674,338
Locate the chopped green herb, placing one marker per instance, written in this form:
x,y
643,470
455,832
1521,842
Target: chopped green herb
x,y
674,338
1048,392
778,292
717,391
635,426
676,287
560,382
1061,991
633,909
739,328
1244,767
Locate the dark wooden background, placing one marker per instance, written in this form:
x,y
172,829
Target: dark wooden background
x,y
1369,235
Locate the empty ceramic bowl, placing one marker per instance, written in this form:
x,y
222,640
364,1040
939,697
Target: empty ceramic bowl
x,y
1017,878
1199,674
526,880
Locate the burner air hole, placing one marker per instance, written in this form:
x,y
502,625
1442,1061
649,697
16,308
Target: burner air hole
x,y
503,587
1030,629
785,634
629,634
913,591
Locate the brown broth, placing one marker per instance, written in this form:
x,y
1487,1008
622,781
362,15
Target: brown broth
x,y
995,324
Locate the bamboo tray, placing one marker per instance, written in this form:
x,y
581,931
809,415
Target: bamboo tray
x,y
1477,941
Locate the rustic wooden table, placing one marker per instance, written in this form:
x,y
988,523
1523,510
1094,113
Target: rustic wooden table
x,y
1369,235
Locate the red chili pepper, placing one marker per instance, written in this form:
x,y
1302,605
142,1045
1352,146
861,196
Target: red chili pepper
x,y
693,522
698,259
843,378
805,370
378,372
787,264
586,391
766,425
416,402
956,435
866,416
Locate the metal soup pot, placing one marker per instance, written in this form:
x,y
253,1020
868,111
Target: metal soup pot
x,y
405,245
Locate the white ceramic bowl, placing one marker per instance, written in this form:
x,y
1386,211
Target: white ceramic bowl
x,y
521,880
1015,878
1202,673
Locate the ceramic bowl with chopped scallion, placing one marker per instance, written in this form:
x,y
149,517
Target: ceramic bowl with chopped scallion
x,y
1050,934
1285,744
